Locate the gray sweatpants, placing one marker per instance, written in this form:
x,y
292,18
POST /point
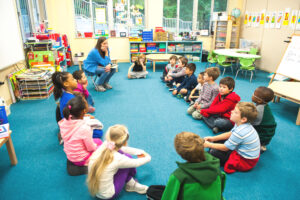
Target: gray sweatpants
x,y
141,74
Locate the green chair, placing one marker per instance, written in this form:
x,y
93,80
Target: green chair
x,y
211,59
222,62
253,51
246,65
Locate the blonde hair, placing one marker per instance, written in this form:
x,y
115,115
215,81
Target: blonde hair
x,y
117,134
247,110
141,56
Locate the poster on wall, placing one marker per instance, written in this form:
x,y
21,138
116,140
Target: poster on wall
x,y
254,16
286,16
100,16
249,19
273,20
268,20
298,22
279,19
293,19
257,19
262,16
246,18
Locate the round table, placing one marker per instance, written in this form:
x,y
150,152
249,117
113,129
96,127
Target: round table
x,y
236,53
159,58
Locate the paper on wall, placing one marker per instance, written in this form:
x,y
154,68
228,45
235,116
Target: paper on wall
x,y
257,19
268,20
293,19
100,15
254,18
279,19
286,16
273,20
262,16
246,18
249,19
298,22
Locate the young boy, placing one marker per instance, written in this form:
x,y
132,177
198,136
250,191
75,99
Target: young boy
x,y
194,94
170,67
177,75
209,91
264,124
217,116
198,178
241,150
189,82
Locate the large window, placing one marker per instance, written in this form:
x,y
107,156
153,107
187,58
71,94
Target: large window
x,y
107,15
186,14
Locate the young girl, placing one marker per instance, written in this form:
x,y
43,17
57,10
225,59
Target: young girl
x,y
82,83
177,75
76,133
111,167
64,85
138,68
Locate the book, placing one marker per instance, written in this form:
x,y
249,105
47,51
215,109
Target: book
x,y
4,131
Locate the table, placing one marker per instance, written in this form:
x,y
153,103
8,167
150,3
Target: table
x,y
10,148
159,58
236,53
289,91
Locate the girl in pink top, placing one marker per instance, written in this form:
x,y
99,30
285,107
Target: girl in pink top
x,y
76,133
82,83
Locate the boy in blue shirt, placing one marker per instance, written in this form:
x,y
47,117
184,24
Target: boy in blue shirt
x,y
189,82
241,150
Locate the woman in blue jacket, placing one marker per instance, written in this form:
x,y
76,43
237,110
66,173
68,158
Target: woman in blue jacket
x,y
98,62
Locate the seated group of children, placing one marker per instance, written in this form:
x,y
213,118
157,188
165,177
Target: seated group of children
x,y
111,165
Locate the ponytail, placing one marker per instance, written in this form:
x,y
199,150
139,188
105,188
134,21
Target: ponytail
x,y
118,134
75,107
58,79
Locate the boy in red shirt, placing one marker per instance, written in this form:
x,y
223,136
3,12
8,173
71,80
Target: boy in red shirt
x,y
217,116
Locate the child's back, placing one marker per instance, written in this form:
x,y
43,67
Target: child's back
x,y
202,180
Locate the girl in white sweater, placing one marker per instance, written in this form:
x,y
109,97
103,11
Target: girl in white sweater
x,y
111,166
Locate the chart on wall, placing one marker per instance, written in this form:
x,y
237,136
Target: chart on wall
x,y
290,63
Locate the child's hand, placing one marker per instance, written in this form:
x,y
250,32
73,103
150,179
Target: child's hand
x,y
90,116
141,155
174,92
190,98
209,139
195,105
198,107
207,144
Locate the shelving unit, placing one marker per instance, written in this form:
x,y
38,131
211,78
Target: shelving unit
x,y
226,34
191,49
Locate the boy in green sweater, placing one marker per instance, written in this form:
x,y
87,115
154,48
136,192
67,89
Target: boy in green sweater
x,y
198,178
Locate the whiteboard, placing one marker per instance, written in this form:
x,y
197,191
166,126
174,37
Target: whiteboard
x,y
290,63
11,47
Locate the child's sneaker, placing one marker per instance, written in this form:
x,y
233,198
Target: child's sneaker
x,y
263,148
179,96
192,103
134,186
91,109
185,98
171,89
162,79
215,130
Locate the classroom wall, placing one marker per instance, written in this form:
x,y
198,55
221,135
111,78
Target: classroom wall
x,y
272,46
154,13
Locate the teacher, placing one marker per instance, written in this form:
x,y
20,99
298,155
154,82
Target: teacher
x,y
98,62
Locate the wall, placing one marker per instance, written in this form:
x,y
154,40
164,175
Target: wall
x,y
272,46
154,13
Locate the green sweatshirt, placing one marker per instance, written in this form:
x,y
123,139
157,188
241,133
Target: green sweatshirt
x,y
202,180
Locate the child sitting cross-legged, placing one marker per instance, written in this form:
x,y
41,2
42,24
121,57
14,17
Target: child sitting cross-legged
x,y
169,67
177,75
264,124
112,167
76,133
209,91
189,82
194,94
82,84
217,116
198,178
138,68
239,149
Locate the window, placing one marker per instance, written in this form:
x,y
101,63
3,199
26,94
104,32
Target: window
x,y
186,14
31,13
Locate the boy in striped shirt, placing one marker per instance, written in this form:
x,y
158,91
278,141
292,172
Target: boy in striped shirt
x,y
239,149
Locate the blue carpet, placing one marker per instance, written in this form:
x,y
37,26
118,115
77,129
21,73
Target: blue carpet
x,y
153,117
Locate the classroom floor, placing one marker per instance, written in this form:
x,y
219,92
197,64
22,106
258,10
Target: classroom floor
x,y
153,117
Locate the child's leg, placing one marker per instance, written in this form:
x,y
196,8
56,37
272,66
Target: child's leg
x,y
183,91
141,74
191,109
97,133
223,124
197,115
90,100
122,177
155,192
133,75
238,163
222,155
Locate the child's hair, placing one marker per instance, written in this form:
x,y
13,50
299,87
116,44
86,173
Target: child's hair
x,y
202,74
75,107
247,110
139,57
191,66
118,134
58,79
228,81
183,60
173,57
77,74
190,146
265,94
213,72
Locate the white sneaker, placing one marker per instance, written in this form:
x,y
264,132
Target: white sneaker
x,y
134,186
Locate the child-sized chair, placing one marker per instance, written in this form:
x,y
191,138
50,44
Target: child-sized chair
x,y
222,62
93,78
211,59
246,65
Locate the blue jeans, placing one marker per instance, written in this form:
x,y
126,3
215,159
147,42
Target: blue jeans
x,y
103,76
222,124
90,100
